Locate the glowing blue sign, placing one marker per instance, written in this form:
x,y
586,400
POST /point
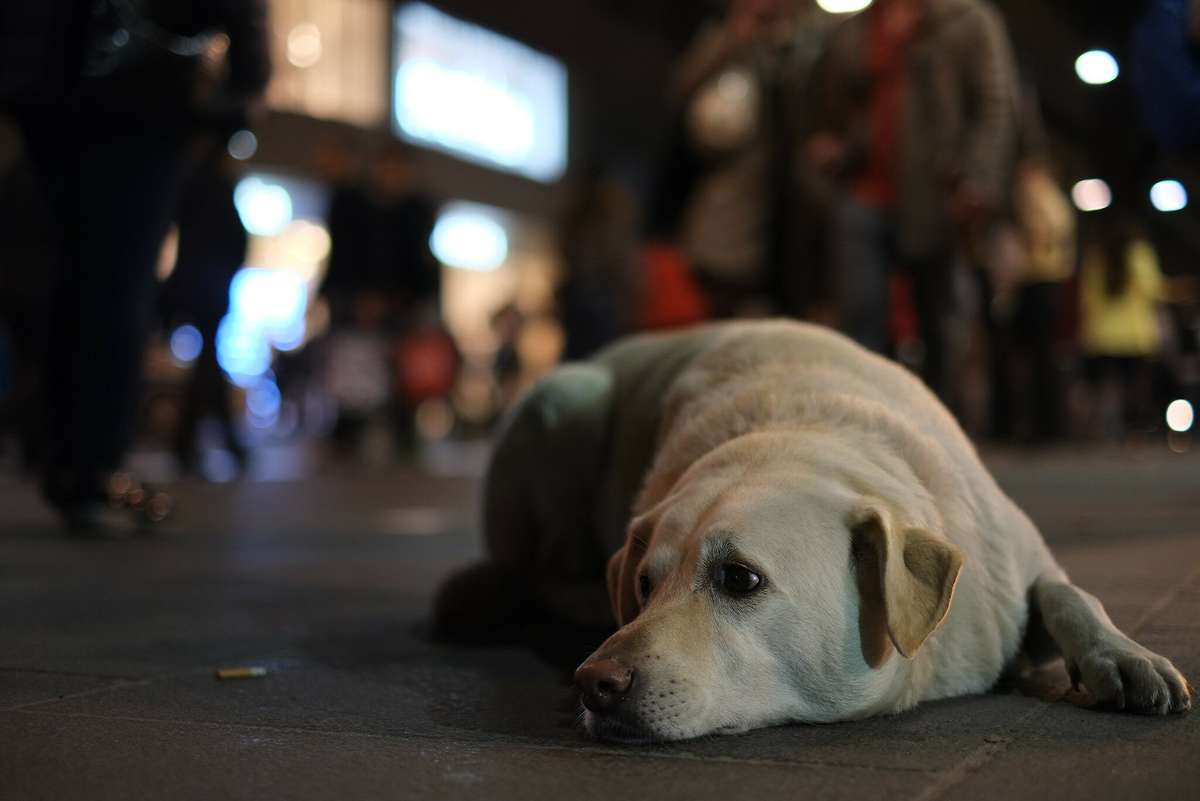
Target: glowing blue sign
x,y
478,95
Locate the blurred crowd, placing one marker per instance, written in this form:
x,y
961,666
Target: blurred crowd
x,y
890,175
886,173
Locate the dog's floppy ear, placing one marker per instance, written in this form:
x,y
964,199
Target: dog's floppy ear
x,y
905,579
622,589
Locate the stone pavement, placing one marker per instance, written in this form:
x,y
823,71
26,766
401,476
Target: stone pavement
x,y
107,653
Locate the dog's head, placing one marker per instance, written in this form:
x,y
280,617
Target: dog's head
x,y
770,586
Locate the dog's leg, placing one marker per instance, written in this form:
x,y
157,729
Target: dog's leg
x,y
1116,670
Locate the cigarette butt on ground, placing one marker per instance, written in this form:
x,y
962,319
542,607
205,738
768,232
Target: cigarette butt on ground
x,y
242,673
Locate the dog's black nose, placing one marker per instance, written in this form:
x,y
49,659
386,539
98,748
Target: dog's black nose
x,y
604,683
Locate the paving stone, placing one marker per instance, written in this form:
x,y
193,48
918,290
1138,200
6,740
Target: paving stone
x,y
24,688
54,757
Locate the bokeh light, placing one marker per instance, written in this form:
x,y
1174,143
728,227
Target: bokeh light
x,y
466,236
304,45
733,85
1168,196
263,402
265,209
186,343
1097,67
243,145
1091,195
242,350
843,6
435,418
1180,416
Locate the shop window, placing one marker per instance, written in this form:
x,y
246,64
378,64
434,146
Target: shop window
x,y
331,59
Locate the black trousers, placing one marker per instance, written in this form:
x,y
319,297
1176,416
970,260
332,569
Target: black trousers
x,y
864,253
113,196
1028,337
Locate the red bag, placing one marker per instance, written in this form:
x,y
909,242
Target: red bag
x,y
672,298
426,366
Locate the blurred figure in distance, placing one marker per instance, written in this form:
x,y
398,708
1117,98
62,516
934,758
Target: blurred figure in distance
x,y
1121,289
390,284
402,264
730,193
598,295
1165,72
29,265
349,222
915,112
211,249
1031,304
108,96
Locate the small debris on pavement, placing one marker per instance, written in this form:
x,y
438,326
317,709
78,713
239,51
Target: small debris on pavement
x,y
242,673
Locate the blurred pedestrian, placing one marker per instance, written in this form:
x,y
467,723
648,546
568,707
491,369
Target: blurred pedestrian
x,y
1165,72
1121,290
211,249
390,285
108,95
729,193
1030,309
598,296
914,112
349,222
29,265
402,265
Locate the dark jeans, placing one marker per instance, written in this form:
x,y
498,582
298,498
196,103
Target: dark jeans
x,y
1028,338
1134,377
113,196
727,300
864,253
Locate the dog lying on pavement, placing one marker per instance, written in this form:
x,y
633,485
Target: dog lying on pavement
x,y
788,529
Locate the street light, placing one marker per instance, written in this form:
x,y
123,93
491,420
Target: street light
x,y
843,6
1168,196
1091,195
1097,67
1180,416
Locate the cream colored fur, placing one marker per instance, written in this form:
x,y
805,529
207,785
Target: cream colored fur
x,y
894,568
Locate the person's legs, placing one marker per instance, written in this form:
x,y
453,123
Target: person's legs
x,y
933,295
999,324
862,259
1137,386
727,300
113,198
1037,321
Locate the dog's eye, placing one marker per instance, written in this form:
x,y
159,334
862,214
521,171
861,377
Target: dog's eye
x,y
644,587
739,579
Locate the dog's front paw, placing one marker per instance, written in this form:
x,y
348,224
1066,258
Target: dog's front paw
x,y
1127,677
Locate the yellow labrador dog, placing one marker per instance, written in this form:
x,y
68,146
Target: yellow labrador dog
x,y
794,529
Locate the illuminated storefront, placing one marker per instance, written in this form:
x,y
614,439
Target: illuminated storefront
x,y
368,72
